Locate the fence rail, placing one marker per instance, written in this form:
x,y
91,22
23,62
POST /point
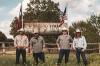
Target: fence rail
x,y
8,48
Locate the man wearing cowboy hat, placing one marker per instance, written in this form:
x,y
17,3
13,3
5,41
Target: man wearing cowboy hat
x,y
79,44
21,43
37,44
63,43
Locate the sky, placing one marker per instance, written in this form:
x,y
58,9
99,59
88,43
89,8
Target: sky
x,y
77,10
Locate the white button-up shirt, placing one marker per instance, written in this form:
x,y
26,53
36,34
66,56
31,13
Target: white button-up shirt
x,y
79,42
21,41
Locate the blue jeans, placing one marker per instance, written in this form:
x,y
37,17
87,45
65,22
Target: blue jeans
x,y
39,56
20,51
78,53
62,53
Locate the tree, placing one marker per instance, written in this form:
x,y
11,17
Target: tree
x,y
42,10
80,25
14,29
2,37
88,30
39,11
95,22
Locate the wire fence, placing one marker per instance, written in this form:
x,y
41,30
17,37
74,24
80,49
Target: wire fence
x,y
51,48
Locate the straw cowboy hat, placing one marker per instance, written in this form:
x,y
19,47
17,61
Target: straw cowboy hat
x,y
35,31
78,31
64,29
22,30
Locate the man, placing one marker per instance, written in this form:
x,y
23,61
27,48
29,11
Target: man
x,y
79,44
21,43
63,43
37,44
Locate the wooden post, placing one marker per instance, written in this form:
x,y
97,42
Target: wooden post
x,y
3,48
99,48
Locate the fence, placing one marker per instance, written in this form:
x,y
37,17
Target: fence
x,y
8,48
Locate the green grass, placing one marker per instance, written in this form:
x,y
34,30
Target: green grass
x,y
51,59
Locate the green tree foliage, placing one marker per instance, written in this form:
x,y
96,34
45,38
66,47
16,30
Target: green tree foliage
x,y
95,22
89,29
13,30
2,37
39,11
42,10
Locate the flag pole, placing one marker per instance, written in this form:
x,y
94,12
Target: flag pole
x,y
67,17
22,16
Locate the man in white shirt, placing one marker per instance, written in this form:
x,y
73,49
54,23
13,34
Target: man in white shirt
x,y
21,43
79,44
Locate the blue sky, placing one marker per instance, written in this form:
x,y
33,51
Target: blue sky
x,y
5,18
6,6
77,10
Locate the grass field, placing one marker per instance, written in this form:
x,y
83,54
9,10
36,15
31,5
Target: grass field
x,y
51,59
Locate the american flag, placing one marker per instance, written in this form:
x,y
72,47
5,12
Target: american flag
x,y
19,21
20,13
63,16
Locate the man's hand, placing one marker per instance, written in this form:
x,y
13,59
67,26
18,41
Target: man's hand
x,y
73,48
58,48
25,47
21,47
31,49
44,49
17,47
83,50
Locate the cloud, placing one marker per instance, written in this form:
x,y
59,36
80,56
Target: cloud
x,y
5,28
4,24
98,9
77,9
15,11
2,8
81,6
